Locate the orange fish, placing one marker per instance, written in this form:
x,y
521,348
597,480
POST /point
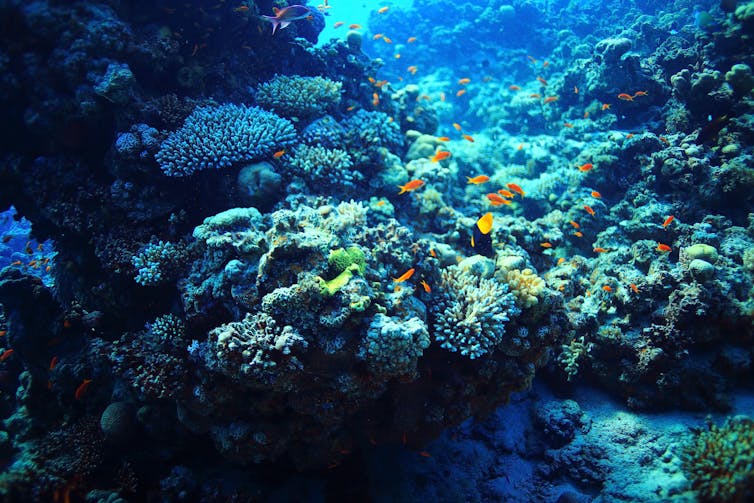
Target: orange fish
x,y
468,137
506,193
426,286
441,155
241,8
625,97
3,332
6,354
515,188
605,106
578,234
575,90
82,389
496,200
586,167
442,96
406,275
433,253
410,186
589,210
561,260
389,41
575,224
479,179
531,58
411,40
667,221
567,124
535,96
457,126
640,93
546,244
382,10
375,99
550,99
53,363
338,24
463,81
545,64
514,87
634,288
278,154
600,250
425,454
377,36
596,194
542,81
663,248
354,26
520,146
412,69
460,92
607,288
443,138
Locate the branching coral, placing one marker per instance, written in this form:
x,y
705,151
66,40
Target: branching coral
x,y
392,346
470,312
300,97
323,168
216,137
526,286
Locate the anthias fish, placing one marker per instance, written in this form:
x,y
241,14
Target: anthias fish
x,y
284,17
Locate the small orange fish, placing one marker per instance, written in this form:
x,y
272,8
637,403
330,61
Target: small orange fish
x,y
406,275
16,262
278,154
351,108
575,90
460,92
515,188
82,389
599,249
6,354
382,10
546,244
433,253
586,115
532,59
575,224
551,99
607,288
375,99
389,41
629,136
381,202
506,193
640,93
589,210
425,454
442,96
561,260
578,234
625,97
520,146
338,24
479,179
634,288
426,286
53,363
412,69
514,87
463,81
443,138
596,194
241,8
410,186
567,124
3,332
354,26
545,64
411,40
468,137
377,36
586,167
542,81
457,126
664,140
535,96
496,200
667,221
441,155
605,106
661,247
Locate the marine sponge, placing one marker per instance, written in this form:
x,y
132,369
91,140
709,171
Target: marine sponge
x,y
470,312
300,97
719,461
526,286
216,137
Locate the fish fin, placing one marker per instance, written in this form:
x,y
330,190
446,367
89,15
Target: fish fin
x,y
284,24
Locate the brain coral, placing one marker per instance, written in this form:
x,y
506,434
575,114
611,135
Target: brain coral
x,y
470,312
300,97
216,137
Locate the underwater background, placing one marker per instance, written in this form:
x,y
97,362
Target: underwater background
x,y
425,250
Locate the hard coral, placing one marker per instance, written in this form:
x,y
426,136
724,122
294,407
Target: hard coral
x,y
299,97
216,137
526,286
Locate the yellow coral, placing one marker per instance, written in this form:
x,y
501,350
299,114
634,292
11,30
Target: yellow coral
x,y
526,286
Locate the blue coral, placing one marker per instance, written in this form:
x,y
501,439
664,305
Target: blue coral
x,y
470,312
367,130
300,97
217,137
325,132
157,262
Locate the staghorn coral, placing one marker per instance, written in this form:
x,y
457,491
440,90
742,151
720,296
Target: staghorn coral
x,y
322,168
294,96
525,286
157,263
216,137
719,461
470,312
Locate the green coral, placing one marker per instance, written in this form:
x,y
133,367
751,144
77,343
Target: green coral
x,y
344,263
719,462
